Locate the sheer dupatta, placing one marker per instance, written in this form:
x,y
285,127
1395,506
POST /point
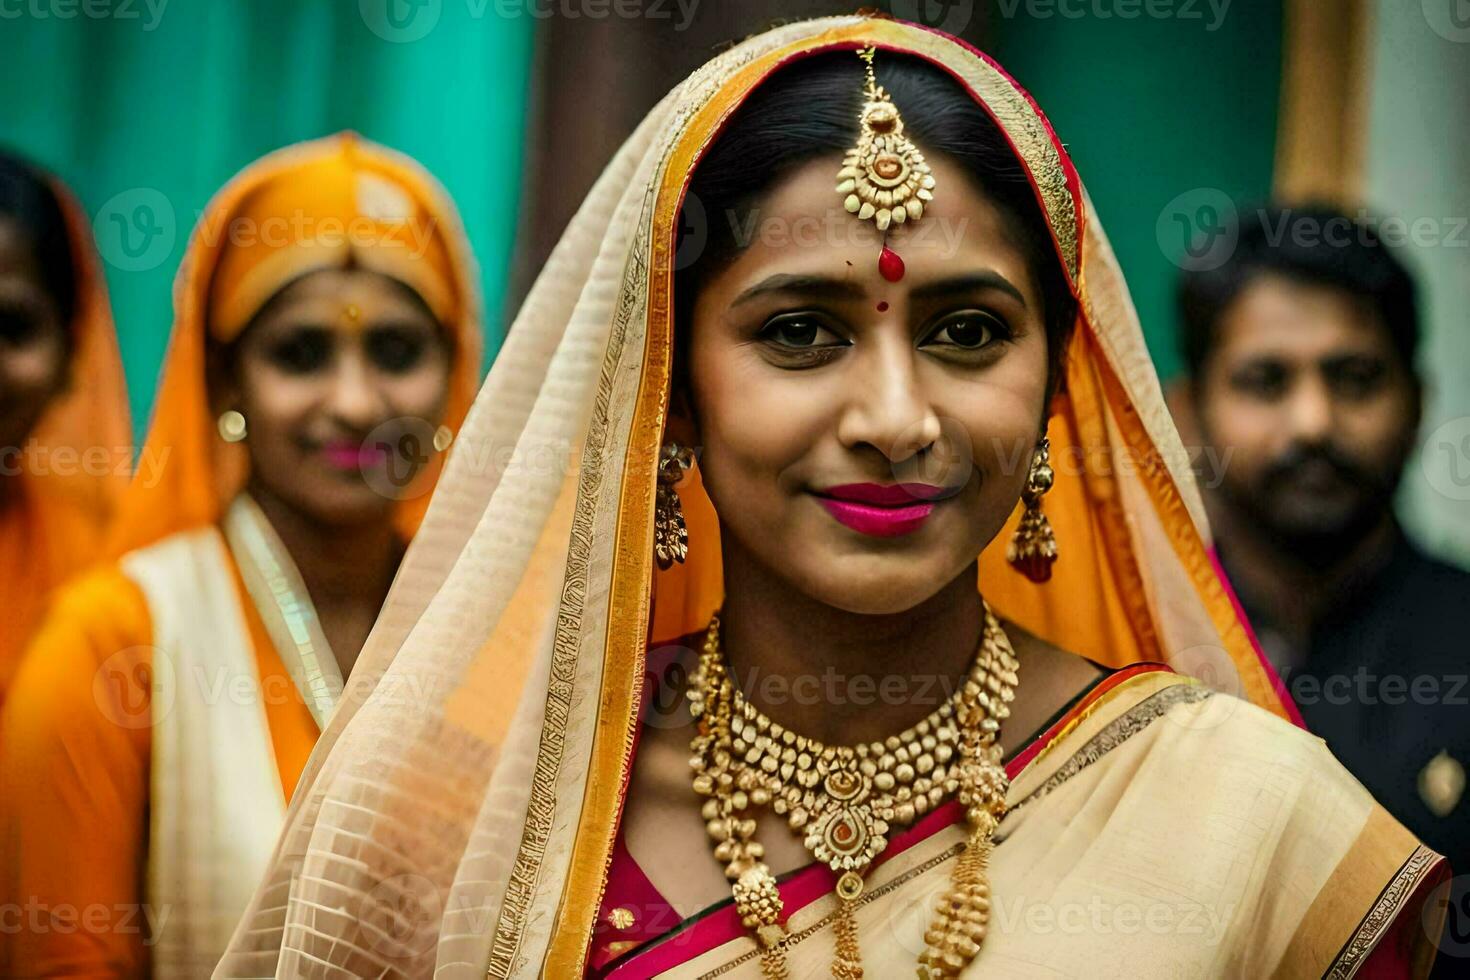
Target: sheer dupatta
x,y
458,814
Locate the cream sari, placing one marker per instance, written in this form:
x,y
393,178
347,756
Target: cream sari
x,y
458,816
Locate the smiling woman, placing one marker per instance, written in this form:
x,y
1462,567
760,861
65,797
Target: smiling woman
x,y
169,701
793,462
330,377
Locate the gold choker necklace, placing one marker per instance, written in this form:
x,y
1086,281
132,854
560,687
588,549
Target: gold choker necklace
x,y
845,799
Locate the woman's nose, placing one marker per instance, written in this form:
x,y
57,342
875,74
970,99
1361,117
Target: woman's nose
x,y
355,397
887,407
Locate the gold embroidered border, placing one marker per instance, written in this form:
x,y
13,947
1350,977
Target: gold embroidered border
x,y
628,594
1114,734
510,925
1375,924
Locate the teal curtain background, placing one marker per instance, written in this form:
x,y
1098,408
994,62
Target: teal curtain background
x,y
158,110
1167,120
1161,114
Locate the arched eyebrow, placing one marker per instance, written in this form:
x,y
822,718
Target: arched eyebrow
x,y
814,287
825,287
970,282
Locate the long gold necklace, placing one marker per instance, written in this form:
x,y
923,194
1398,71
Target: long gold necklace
x,y
845,799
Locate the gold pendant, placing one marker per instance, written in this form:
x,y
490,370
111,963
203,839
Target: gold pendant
x,y
843,798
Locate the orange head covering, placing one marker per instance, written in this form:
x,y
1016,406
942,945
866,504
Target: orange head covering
x,y
330,203
74,465
341,209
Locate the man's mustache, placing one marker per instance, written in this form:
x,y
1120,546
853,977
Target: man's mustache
x,y
1299,456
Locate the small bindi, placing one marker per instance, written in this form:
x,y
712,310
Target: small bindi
x,y
883,306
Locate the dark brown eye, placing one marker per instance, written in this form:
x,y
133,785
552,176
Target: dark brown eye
x,y
1357,378
18,326
969,330
799,331
1261,380
396,349
301,351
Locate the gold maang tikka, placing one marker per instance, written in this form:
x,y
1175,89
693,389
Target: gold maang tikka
x,y
884,177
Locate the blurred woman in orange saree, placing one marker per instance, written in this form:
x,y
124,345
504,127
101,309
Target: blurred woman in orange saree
x,y
65,443
324,350
835,338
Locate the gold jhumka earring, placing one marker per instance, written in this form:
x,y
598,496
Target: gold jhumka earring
x,y
1033,550
670,535
846,799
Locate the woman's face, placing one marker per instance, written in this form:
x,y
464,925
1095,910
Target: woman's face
x,y
33,347
342,379
818,386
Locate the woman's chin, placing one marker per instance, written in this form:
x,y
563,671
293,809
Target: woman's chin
x,y
877,585
344,504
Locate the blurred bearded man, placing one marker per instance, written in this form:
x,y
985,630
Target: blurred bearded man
x,y
1300,351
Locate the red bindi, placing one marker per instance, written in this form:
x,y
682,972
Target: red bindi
x,y
890,265
883,306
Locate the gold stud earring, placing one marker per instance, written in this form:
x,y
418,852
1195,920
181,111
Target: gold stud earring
x,y
231,426
670,535
443,437
1033,550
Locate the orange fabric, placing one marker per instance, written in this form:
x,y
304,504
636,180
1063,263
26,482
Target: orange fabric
x,y
76,735
343,208
73,468
198,472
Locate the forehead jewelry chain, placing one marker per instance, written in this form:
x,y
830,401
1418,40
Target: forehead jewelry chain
x,y
845,800
884,178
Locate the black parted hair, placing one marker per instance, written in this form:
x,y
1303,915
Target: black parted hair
x,y
1316,245
810,109
28,200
